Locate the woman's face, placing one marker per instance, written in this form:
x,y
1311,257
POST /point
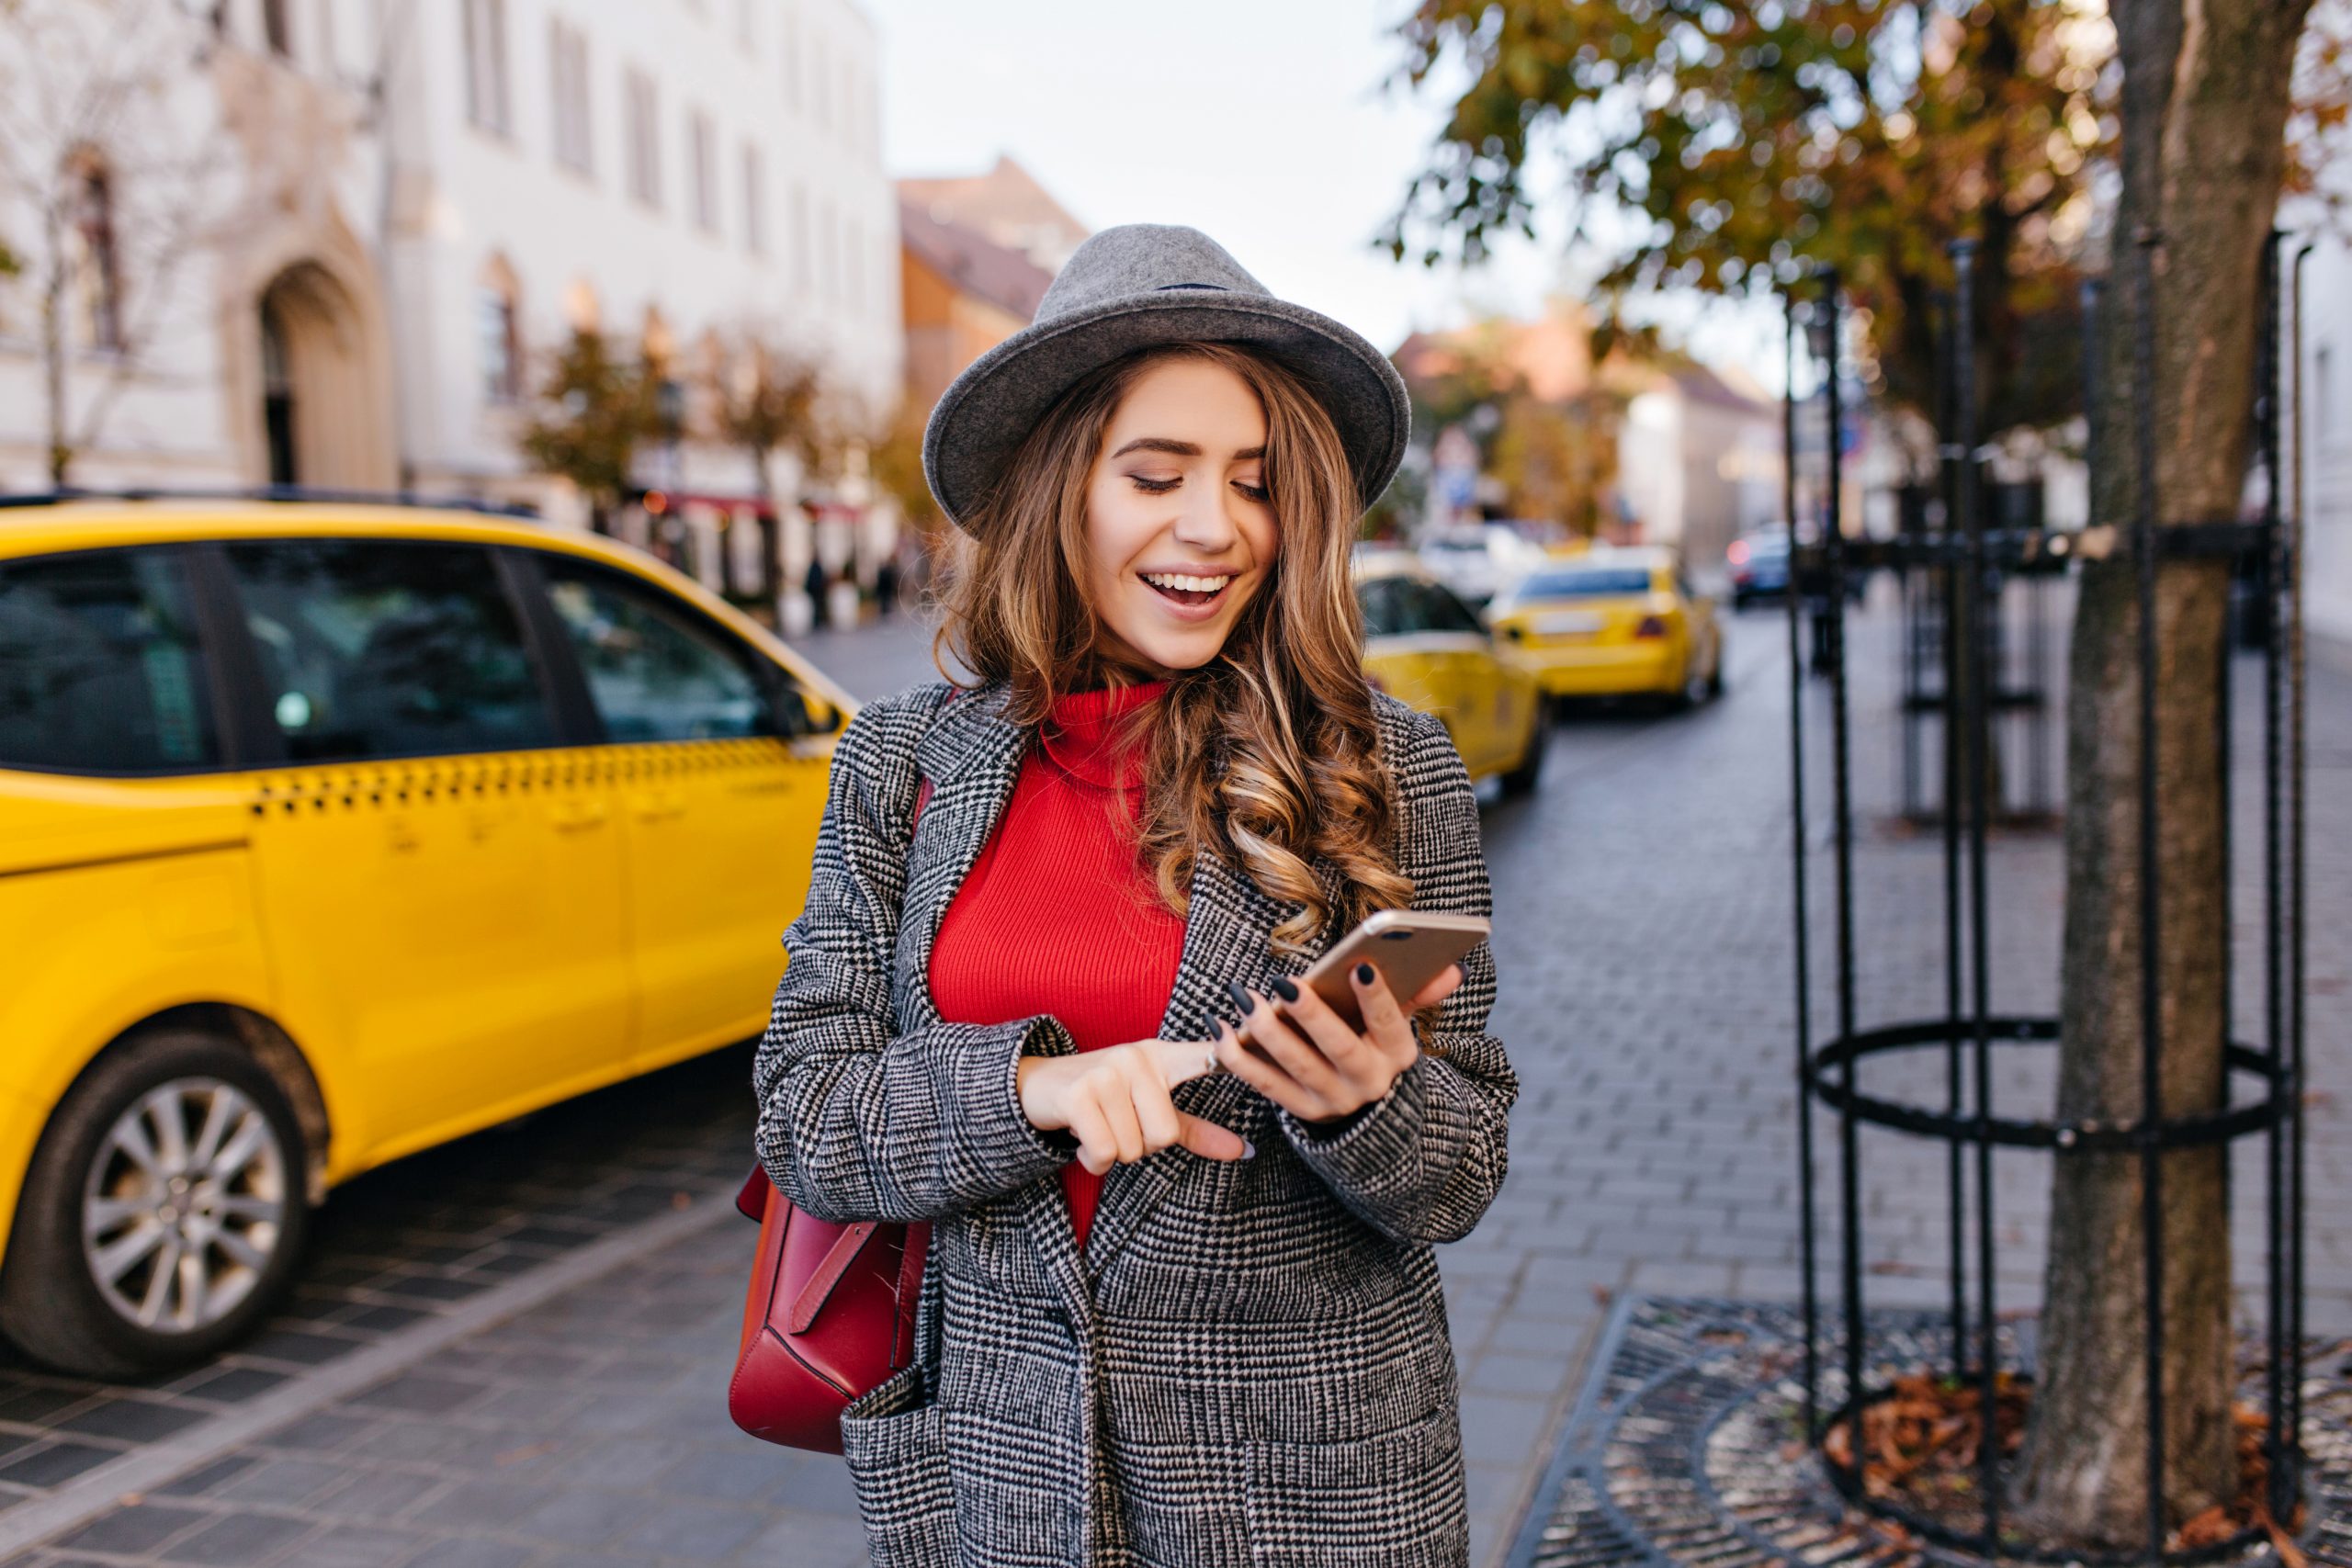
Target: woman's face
x,y
1179,535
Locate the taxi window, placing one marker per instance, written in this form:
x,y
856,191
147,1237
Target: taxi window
x,y
1390,607
657,669
387,647
1587,582
1444,612
100,667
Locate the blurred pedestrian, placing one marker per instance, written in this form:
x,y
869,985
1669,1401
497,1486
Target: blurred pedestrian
x,y
1179,1305
816,584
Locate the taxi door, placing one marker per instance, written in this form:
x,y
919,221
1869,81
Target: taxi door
x,y
439,882
718,799
1469,683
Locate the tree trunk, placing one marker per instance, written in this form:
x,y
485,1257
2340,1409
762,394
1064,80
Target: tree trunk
x,y
55,331
2205,94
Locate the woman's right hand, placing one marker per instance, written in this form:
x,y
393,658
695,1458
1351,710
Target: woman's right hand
x,y
1115,1101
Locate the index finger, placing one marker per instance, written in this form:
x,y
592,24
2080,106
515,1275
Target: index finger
x,y
1181,1061
1384,1020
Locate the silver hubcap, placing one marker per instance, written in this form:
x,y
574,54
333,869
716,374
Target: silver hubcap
x,y
185,1206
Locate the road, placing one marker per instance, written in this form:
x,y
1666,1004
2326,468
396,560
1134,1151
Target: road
x,y
513,1351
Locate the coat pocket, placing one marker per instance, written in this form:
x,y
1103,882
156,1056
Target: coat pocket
x,y
1393,1500
895,1444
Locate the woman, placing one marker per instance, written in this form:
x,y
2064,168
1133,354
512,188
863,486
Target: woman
x,y
1180,1309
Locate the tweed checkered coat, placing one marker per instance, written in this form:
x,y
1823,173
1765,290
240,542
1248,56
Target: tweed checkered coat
x,y
1248,1367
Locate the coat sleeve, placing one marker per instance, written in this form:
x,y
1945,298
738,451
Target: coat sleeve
x,y
1422,1164
857,1120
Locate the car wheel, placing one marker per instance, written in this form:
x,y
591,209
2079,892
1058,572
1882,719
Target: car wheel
x,y
1521,780
1693,690
164,1215
1715,672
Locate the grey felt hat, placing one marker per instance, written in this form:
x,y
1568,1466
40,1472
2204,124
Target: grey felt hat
x,y
1135,286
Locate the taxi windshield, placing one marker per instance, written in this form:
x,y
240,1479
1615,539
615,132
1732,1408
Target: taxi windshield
x,y
1587,582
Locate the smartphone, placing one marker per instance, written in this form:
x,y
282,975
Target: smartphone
x,y
1409,948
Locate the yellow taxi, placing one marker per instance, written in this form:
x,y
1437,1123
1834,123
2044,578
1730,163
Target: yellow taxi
x,y
1614,622
328,833
1428,649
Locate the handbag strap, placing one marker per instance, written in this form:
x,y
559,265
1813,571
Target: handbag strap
x,y
838,1257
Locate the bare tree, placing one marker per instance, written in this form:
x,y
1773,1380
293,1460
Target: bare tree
x,y
116,179
767,396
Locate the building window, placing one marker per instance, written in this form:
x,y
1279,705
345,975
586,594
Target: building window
x,y
644,140
275,30
575,145
791,57
705,144
97,262
829,250
498,319
2324,407
486,95
800,279
755,202
821,84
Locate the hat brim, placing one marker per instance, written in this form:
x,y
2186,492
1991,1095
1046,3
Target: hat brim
x,y
980,421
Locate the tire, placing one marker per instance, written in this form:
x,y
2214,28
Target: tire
x,y
247,1215
1521,780
1715,672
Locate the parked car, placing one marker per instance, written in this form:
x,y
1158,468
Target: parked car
x,y
1424,646
1760,566
1479,561
329,833
1618,622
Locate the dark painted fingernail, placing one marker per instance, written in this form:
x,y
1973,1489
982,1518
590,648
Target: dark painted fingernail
x,y
1240,996
1363,974
1285,989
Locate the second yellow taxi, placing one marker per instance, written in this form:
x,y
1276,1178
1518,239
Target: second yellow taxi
x,y
1615,623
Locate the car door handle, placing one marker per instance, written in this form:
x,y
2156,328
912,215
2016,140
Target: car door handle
x,y
572,816
659,806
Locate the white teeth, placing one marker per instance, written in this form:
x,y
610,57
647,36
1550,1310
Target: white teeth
x,y
1187,584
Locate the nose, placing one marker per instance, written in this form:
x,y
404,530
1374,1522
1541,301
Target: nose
x,y
1206,522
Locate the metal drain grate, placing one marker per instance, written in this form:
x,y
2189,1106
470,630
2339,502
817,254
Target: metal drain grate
x,y
1687,1449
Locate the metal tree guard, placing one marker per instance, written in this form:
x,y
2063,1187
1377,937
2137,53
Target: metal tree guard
x,y
1969,554
2014,623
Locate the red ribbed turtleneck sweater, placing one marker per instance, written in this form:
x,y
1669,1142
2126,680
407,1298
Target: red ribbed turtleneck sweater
x,y
1059,915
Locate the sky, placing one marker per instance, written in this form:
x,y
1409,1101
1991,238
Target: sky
x,y
1263,122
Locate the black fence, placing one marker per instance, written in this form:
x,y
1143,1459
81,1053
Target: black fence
x,y
1966,561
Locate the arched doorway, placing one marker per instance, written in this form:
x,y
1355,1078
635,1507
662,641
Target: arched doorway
x,y
276,401
318,390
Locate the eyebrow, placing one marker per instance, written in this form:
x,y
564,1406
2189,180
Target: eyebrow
x,y
1181,448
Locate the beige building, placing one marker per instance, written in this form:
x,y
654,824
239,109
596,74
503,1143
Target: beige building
x,y
962,295
1004,206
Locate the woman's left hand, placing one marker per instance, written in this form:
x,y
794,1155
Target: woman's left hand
x,y
1307,1059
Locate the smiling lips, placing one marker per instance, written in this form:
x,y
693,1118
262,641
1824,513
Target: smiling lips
x,y
1192,592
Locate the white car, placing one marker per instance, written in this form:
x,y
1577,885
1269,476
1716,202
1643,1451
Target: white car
x,y
1479,562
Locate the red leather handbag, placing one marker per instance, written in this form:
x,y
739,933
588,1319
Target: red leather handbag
x,y
829,1315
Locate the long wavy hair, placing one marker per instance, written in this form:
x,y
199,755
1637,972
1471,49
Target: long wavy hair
x,y
1267,756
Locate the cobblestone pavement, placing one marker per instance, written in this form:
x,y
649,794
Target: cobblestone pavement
x,y
1644,946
